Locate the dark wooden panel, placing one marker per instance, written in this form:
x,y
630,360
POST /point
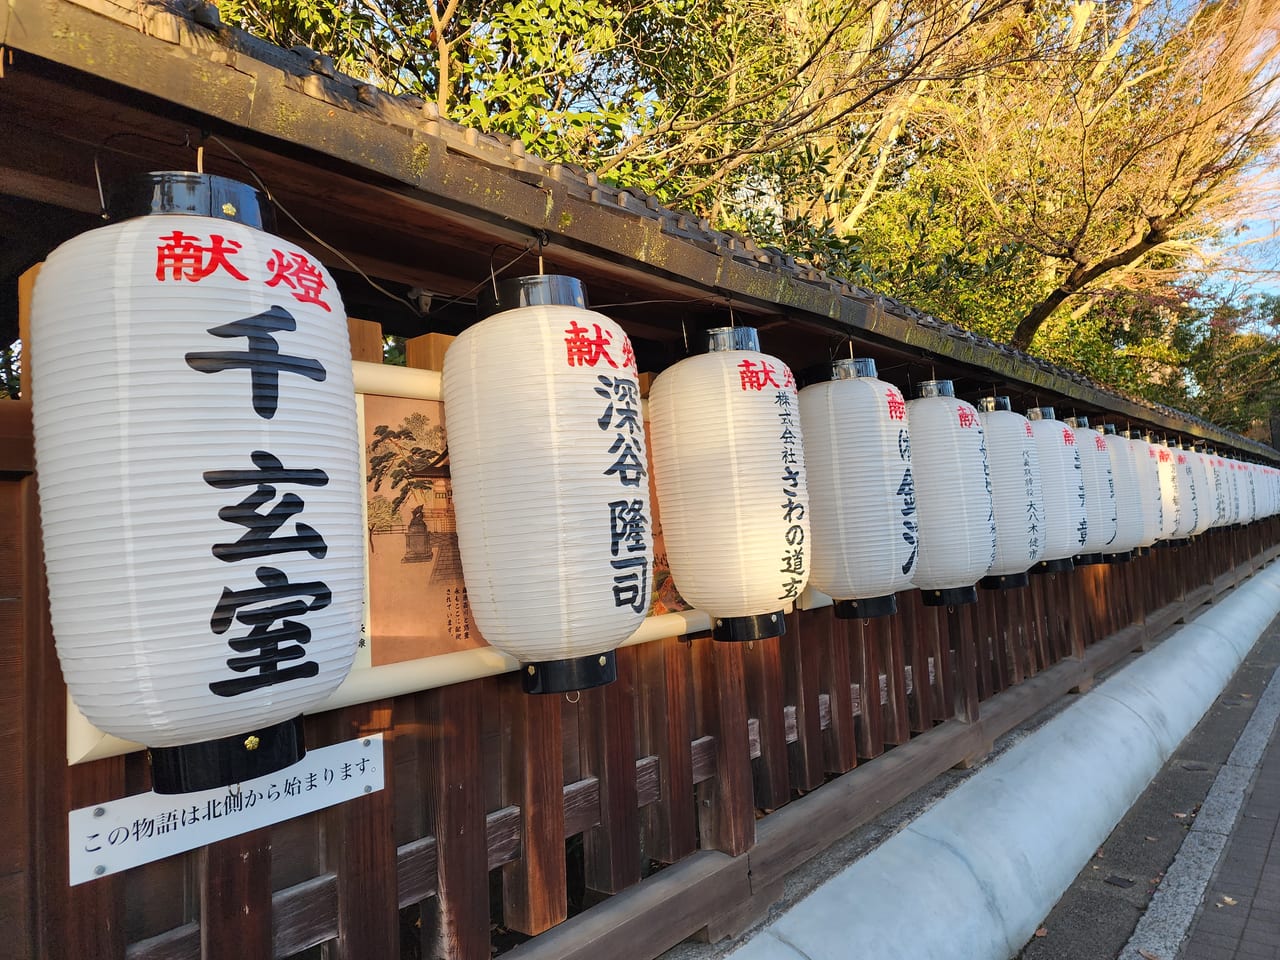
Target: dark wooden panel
x,y
802,668
607,745
841,747
534,887
920,706
235,897
359,843
766,701
867,648
455,923
960,636
726,807
665,726
893,661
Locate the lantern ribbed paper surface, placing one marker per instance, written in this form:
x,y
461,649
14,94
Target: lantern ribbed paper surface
x,y
1188,501
953,495
550,483
1099,489
1170,491
1062,478
1216,467
1016,495
729,472
1131,506
199,476
861,493
1248,501
1202,492
1235,493
1146,462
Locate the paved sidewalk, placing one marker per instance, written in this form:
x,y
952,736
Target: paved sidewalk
x,y
1239,918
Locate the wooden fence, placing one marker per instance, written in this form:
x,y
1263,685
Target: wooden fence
x,y
669,804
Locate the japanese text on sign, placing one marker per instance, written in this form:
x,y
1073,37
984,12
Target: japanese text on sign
x,y
120,834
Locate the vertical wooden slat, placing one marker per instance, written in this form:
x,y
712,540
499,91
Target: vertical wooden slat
x,y
26,284
666,731
15,759
359,842
984,648
893,660
235,897
766,702
841,746
427,351
802,667
960,631
534,888
366,340
726,807
938,643
866,650
455,922
607,747
920,700
93,922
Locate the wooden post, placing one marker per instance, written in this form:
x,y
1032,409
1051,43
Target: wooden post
x,y
666,731
534,888
455,922
869,729
803,667
607,751
960,632
235,897
766,701
726,807
840,742
893,660
920,700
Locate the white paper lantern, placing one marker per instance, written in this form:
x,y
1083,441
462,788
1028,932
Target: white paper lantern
x,y
729,472
1016,494
1147,464
1235,493
1099,491
1062,478
199,479
1131,505
550,482
953,495
1184,478
1197,481
1170,490
862,498
1248,499
1217,489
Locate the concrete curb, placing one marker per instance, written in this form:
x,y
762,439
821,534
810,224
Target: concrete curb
x,y
971,877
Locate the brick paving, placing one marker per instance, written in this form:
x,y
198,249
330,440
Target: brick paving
x,y
1240,916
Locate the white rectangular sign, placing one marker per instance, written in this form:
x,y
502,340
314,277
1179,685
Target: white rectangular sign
x,y
131,831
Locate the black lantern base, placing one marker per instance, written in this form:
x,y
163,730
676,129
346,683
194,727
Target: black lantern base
x,y
743,629
565,676
1054,566
1005,581
953,597
1119,557
1089,559
867,608
220,763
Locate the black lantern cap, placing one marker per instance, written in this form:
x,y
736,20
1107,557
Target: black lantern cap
x,y
953,597
1004,581
1054,566
1119,557
220,763
565,676
1089,559
867,608
542,290
196,194
745,629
